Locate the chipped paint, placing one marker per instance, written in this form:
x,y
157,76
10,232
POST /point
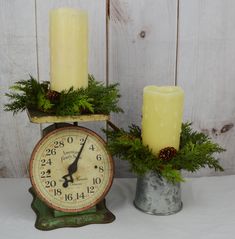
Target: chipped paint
x,y
3,172
214,131
118,12
226,128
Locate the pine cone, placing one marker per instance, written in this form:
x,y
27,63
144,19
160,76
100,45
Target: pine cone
x,y
167,153
53,95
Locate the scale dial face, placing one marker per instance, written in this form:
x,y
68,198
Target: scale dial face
x,y
70,169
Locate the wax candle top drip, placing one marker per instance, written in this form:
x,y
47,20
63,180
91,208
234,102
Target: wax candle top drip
x,y
162,117
163,89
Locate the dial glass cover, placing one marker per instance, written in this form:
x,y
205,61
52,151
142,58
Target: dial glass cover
x,y
70,169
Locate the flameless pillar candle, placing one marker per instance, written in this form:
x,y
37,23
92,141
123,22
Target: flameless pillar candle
x,y
162,117
68,49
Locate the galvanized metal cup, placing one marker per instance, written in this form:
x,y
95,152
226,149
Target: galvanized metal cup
x,y
155,195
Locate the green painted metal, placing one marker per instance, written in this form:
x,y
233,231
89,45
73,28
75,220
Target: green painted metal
x,y
49,219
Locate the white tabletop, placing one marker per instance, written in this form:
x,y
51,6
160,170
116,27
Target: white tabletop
x,y
208,213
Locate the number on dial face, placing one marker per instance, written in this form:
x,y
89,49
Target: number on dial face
x,y
70,169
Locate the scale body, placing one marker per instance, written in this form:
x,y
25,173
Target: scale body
x,y
71,172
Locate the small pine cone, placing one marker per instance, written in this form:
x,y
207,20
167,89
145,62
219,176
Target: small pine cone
x,y
167,153
53,95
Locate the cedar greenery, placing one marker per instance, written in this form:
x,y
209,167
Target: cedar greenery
x,y
196,151
95,99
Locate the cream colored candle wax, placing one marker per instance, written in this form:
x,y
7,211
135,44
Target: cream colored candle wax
x,y
162,117
68,49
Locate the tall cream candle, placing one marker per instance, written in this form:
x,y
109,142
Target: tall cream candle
x,y
68,49
162,117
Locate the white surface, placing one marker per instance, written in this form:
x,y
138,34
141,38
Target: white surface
x,y
208,213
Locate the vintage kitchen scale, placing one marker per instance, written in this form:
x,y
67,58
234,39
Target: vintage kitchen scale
x,y
71,172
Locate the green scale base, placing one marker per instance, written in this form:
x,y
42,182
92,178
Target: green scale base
x,y
49,219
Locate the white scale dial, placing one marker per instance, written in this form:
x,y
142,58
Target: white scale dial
x,y
70,169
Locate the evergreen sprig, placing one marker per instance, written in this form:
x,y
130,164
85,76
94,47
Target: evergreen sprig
x,y
73,102
196,145
196,151
105,98
25,94
95,99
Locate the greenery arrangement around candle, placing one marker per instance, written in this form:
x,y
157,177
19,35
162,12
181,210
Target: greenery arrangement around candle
x,y
95,99
196,151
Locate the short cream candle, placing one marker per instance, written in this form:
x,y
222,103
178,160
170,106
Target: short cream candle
x,y
68,49
162,117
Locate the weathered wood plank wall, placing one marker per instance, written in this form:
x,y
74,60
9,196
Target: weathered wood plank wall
x,y
142,48
184,42
18,59
206,55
